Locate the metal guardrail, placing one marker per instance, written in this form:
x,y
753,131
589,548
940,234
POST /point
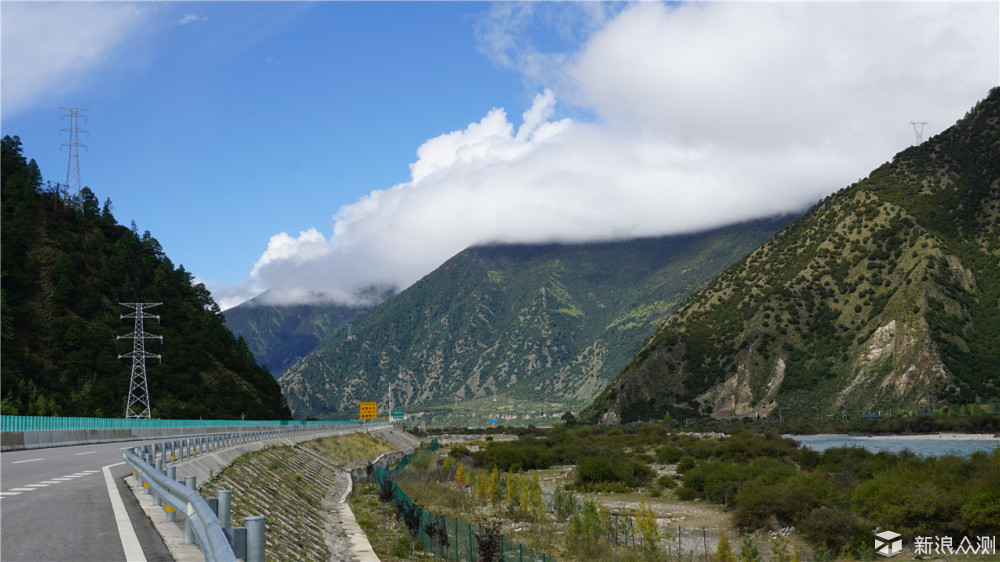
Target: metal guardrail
x,y
201,520
208,520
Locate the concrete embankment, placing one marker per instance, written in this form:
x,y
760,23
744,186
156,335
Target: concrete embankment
x,y
300,487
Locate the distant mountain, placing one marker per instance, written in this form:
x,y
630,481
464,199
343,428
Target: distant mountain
x,y
545,326
885,295
280,335
67,265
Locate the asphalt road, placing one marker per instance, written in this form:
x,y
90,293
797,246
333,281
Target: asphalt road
x,y
55,505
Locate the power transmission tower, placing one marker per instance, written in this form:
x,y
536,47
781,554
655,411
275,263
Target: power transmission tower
x,y
918,130
138,390
74,144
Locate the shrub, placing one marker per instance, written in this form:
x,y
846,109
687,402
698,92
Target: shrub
x,y
667,481
686,494
669,454
833,528
686,464
717,480
459,451
605,470
910,501
783,502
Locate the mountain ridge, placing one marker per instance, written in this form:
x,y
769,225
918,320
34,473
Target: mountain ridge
x,y
882,295
542,323
280,335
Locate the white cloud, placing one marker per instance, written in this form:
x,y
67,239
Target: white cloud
x,y
50,47
191,18
705,114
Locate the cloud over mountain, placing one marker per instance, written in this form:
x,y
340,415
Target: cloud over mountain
x,y
703,114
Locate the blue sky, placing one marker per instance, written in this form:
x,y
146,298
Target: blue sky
x,y
318,148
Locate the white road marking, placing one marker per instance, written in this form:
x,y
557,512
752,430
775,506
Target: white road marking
x,y
22,489
36,485
91,471
9,493
68,476
87,453
63,479
79,474
130,543
29,460
49,482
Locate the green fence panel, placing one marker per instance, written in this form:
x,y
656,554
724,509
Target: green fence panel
x,y
44,423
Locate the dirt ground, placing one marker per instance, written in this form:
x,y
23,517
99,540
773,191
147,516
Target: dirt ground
x,y
693,527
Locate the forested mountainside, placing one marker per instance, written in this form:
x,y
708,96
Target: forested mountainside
x,y
66,266
885,295
547,325
280,335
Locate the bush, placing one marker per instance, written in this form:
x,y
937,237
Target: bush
x,y
833,528
527,454
719,481
669,454
686,464
909,501
667,481
686,494
605,470
784,502
459,451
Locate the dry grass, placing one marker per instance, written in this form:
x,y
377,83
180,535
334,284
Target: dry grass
x,y
343,449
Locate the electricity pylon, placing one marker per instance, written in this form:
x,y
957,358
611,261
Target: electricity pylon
x,y
918,130
74,144
138,390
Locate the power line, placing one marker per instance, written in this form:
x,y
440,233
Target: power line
x,y
138,390
74,144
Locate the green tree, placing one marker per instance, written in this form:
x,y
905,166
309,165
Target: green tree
x,y
723,552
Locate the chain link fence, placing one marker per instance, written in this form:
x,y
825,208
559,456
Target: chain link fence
x,y
448,537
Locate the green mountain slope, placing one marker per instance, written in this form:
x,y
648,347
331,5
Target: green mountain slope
x,y
66,266
886,294
544,325
281,335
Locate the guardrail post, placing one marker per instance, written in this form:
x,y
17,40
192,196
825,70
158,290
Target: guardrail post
x,y
171,474
135,473
157,500
190,482
255,537
147,490
225,498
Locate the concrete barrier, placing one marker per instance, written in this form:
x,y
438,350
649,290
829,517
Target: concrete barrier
x,y
21,440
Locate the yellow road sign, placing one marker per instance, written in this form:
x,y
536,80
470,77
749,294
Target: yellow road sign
x,y
369,411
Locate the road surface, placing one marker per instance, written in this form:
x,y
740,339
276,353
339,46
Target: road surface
x,y
55,505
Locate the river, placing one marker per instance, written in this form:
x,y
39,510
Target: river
x,y
933,445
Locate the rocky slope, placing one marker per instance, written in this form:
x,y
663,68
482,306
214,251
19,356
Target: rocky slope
x,y
543,326
884,295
